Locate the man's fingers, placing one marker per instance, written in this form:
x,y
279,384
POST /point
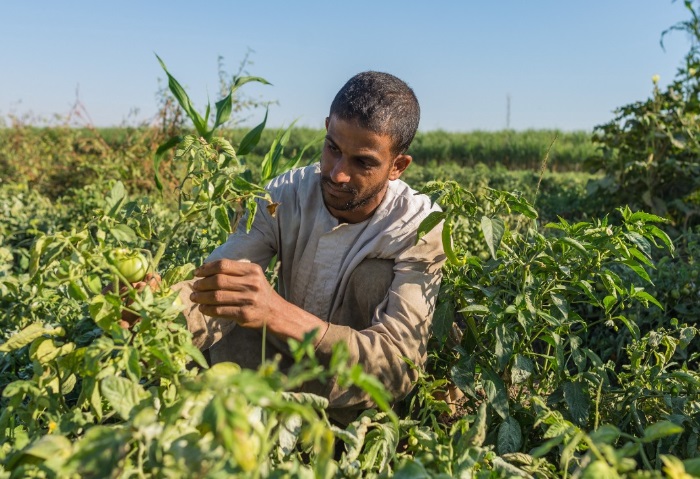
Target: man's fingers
x,y
220,297
220,282
226,266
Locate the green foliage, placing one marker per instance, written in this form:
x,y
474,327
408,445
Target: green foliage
x,y
563,345
650,150
526,328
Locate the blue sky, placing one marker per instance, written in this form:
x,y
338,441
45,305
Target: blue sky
x,y
565,64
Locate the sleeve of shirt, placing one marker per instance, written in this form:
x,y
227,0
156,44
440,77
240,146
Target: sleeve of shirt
x,y
400,328
257,246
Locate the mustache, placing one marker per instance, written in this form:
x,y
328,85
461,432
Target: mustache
x,y
336,186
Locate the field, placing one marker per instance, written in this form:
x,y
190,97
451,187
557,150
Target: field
x,y
564,342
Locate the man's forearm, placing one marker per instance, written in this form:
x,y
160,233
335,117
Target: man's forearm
x,y
291,322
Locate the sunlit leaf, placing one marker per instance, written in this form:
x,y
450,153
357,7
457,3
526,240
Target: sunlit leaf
x,y
510,437
493,229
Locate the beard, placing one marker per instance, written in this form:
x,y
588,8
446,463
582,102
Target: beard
x,y
355,199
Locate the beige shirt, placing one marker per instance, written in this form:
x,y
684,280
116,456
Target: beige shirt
x,y
317,254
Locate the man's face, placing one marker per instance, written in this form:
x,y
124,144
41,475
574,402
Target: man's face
x,y
356,166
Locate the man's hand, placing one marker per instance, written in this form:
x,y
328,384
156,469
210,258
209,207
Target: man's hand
x,y
239,291
236,290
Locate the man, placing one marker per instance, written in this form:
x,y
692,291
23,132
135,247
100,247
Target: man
x,y
351,267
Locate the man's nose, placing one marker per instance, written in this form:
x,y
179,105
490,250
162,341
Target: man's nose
x,y
340,173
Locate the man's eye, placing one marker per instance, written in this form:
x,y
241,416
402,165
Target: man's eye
x,y
331,147
365,164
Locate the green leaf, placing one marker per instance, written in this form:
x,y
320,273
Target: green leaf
x,y
644,296
522,369
692,466
577,401
645,218
44,350
252,207
372,386
641,272
686,336
93,283
24,337
252,138
609,302
524,208
493,229
631,326
505,341
495,391
510,437
294,161
76,291
224,107
158,157
475,309
179,273
195,354
641,257
443,319
463,374
133,364
640,242
429,222
38,249
561,304
222,219
598,470
50,446
660,430
115,199
123,233
544,448
607,434
21,388
659,233
183,99
476,434
100,450
240,81
122,394
104,313
410,468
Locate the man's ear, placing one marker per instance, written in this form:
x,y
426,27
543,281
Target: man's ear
x,y
328,120
401,162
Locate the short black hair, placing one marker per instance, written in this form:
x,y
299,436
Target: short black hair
x,y
382,103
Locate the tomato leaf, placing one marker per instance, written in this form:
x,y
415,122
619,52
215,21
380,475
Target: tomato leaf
x,y
24,337
122,394
660,430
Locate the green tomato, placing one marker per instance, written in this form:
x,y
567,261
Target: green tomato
x,y
675,294
131,264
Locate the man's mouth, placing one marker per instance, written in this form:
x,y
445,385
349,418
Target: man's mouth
x,y
336,189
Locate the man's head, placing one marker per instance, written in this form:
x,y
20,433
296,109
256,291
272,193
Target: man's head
x,y
372,121
381,103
